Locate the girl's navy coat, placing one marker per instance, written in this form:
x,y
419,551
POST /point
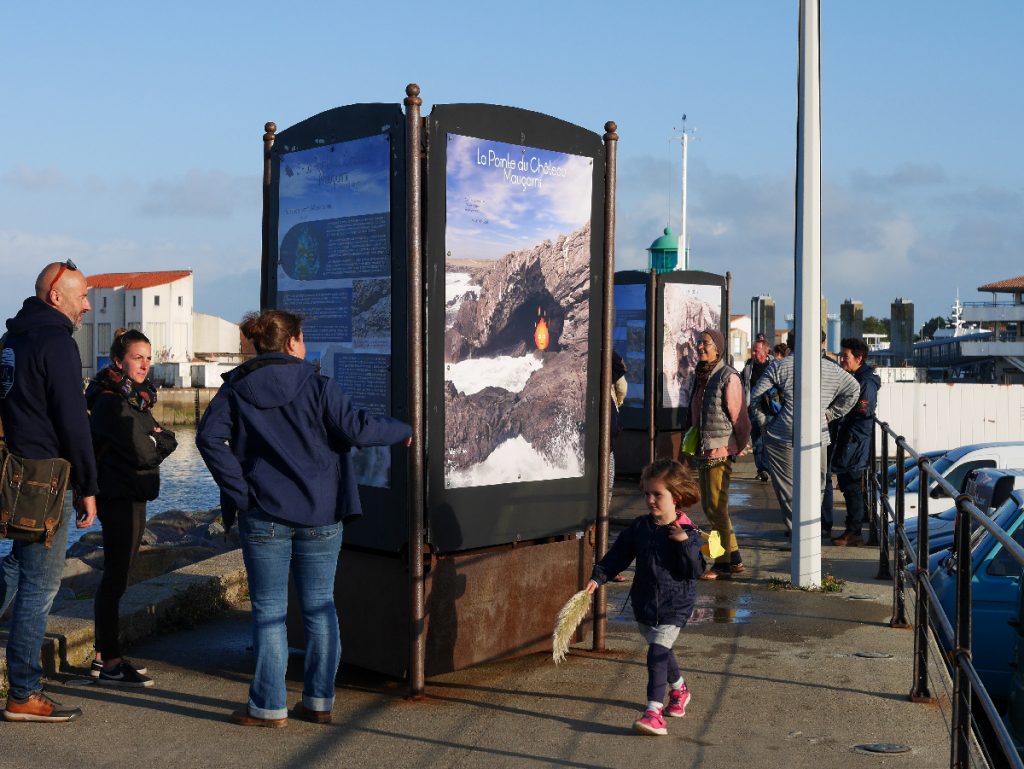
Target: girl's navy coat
x,y
664,587
278,436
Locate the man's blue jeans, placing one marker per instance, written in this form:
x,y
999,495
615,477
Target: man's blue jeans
x,y
270,548
36,573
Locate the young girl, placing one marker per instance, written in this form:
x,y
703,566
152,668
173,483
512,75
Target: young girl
x,y
666,547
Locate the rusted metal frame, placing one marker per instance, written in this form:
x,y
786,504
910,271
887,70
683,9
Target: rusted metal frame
x,y
269,135
417,390
899,607
960,746
883,508
871,484
650,377
605,442
920,691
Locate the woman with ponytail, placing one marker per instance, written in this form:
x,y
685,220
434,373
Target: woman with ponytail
x,y
277,439
130,446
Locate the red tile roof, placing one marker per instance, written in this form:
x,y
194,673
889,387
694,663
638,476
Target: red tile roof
x,y
1010,284
135,280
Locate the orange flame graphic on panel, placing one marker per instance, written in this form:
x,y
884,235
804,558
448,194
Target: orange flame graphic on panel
x,y
540,335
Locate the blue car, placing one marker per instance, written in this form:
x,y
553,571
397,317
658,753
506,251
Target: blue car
x,y
988,490
995,587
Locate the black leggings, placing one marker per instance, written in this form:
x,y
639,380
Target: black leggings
x,y
123,521
662,669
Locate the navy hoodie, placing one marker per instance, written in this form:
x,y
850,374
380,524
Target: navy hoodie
x,y
277,436
42,405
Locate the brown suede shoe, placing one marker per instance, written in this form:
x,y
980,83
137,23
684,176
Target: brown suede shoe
x,y
313,716
849,539
710,574
242,718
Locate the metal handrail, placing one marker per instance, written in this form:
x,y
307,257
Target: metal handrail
x,y
927,611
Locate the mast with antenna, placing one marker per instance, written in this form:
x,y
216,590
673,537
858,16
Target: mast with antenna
x,y
683,136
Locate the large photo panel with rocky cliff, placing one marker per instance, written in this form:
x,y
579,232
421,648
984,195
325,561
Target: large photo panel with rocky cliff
x,y
517,312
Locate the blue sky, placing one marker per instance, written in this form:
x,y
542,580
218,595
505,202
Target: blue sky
x,y
133,133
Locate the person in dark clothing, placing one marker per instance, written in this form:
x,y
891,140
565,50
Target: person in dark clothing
x,y
277,440
42,409
130,446
752,371
853,439
666,548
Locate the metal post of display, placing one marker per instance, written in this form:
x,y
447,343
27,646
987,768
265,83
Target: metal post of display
x,y
649,379
605,441
270,129
726,355
417,458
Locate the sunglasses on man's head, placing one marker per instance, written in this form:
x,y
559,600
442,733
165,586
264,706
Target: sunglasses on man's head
x,y
68,265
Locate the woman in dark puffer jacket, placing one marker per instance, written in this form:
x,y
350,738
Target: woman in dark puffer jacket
x,y
130,446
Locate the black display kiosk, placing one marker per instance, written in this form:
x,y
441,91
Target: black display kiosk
x,y
454,272
658,319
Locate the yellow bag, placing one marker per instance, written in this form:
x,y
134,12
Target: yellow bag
x,y
691,441
712,547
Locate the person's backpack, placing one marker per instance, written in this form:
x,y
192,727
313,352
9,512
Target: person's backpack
x,y
770,404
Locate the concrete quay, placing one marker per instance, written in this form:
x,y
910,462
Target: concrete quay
x,y
777,676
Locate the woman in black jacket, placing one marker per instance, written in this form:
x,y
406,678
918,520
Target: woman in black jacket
x,y
130,446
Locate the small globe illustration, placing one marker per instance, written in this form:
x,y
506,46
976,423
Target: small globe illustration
x,y
307,256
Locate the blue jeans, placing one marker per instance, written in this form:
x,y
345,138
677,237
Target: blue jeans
x,y
270,547
35,572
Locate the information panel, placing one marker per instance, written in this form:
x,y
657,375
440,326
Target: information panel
x,y
517,312
334,269
687,310
629,335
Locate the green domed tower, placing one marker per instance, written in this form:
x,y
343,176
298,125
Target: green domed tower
x,y
664,253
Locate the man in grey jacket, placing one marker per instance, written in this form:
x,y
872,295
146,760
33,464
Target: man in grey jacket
x,y
839,393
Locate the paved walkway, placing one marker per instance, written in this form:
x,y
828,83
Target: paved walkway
x,y
775,675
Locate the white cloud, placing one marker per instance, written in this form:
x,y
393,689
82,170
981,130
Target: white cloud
x,y
29,179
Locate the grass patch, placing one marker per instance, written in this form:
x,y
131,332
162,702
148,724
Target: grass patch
x,y
829,584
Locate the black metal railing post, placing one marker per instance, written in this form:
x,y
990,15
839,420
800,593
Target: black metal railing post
x,y
883,508
871,483
899,606
921,692
960,748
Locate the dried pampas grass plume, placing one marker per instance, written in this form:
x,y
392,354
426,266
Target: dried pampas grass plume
x,y
569,618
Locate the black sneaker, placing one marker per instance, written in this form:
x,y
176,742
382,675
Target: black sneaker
x,y
123,675
97,666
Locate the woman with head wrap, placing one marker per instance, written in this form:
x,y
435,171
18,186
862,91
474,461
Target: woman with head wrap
x,y
718,409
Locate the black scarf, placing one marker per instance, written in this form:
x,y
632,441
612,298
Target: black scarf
x,y
141,397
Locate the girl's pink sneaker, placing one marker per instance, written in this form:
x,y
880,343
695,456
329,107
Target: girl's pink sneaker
x,y
678,699
651,722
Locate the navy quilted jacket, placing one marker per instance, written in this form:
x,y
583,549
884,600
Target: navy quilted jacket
x,y
665,585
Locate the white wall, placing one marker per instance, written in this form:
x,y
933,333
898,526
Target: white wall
x,y
215,335
945,416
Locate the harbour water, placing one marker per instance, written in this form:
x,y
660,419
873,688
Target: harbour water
x,y
185,484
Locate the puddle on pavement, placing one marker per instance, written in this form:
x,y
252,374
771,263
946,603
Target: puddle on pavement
x,y
710,609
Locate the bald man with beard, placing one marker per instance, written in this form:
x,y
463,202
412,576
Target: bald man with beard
x,y
43,411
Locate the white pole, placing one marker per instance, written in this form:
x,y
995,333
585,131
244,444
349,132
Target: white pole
x,y
683,262
805,566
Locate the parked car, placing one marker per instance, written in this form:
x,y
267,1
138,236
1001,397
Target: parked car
x,y
995,586
955,465
910,468
988,490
